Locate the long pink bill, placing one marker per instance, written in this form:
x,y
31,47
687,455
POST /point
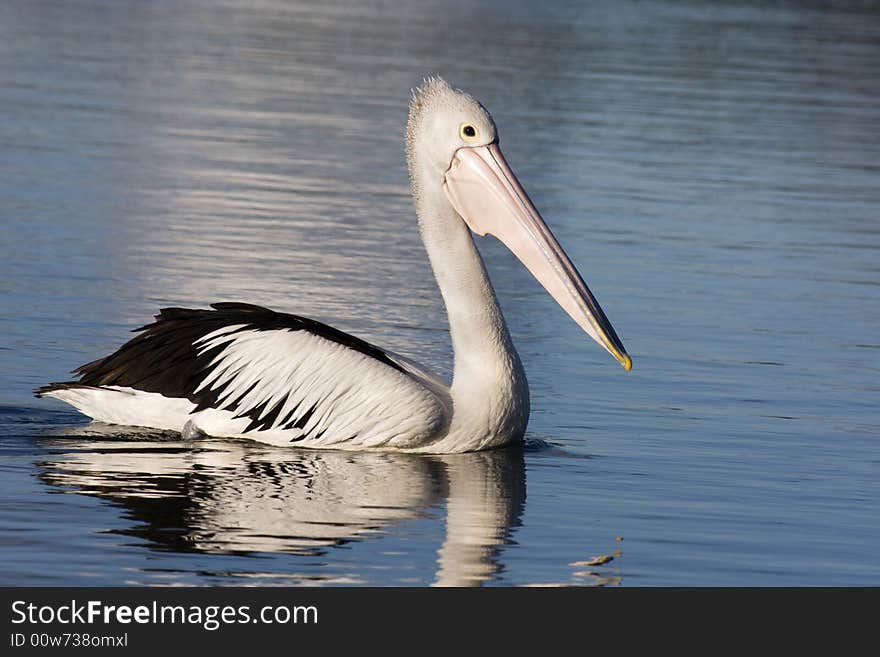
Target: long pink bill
x,y
487,195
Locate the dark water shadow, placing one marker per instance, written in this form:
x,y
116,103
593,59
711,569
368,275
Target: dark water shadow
x,y
240,498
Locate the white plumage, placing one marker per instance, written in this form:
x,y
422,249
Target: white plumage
x,y
288,387
348,397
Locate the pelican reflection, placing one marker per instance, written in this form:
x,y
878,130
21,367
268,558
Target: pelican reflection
x,y
221,496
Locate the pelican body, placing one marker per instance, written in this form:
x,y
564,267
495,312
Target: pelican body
x,y
243,371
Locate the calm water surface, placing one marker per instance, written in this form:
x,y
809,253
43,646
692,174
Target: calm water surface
x,y
713,169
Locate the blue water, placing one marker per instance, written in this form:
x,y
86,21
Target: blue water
x,y
713,169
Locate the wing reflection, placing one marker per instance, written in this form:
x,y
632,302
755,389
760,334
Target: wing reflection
x,y
216,496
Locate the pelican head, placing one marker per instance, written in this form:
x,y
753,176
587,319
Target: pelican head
x,y
452,141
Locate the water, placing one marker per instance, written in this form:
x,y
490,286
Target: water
x,y
714,170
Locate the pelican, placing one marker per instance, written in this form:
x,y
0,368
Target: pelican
x,y
244,371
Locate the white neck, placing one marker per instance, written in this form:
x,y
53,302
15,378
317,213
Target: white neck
x,y
489,390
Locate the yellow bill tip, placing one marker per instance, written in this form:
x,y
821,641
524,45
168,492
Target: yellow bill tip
x,y
627,362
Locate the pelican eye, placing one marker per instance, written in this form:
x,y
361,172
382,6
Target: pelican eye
x,y
467,132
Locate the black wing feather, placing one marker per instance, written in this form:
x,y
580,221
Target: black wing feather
x,y
163,358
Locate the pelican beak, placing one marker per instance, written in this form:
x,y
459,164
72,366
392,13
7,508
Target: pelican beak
x,y
484,191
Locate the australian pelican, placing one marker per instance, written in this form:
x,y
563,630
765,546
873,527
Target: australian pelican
x,y
240,370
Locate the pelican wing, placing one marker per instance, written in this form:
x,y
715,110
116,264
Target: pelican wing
x,y
279,378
